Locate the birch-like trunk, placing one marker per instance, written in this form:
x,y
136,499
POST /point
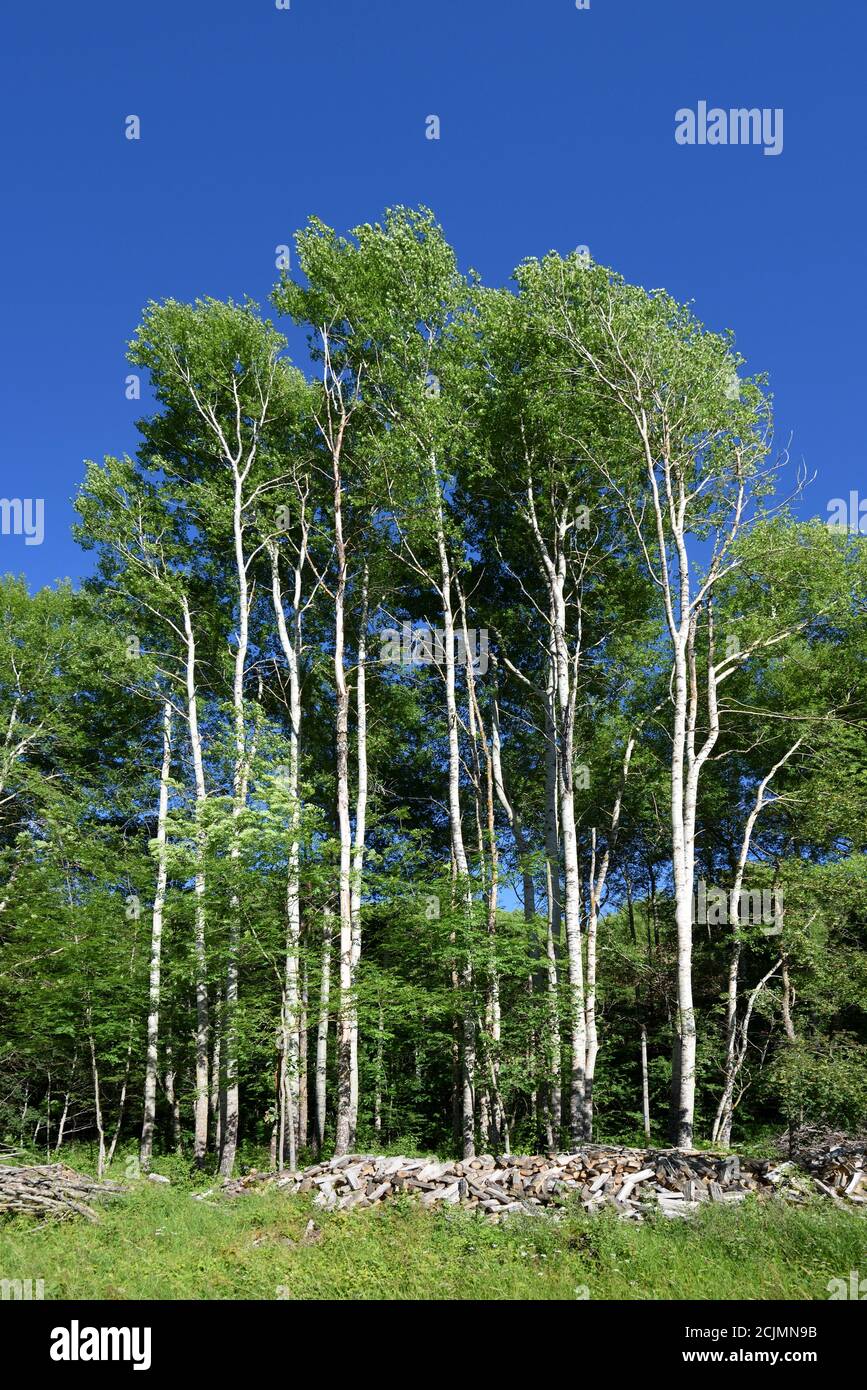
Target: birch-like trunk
x,y
358,848
153,1024
722,1127
497,1129
377,1093
346,1057
303,1098
463,886
599,866
229,1100
322,1028
553,894
571,868
290,1071
200,1104
564,688
97,1102
64,1114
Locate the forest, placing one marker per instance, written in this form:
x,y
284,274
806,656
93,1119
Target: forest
x,y
459,743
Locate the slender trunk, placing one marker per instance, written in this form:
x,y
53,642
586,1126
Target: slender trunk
x,y
578,1122
65,1111
788,1001
97,1103
286,1092
303,1120
322,1029
590,998
200,1104
121,1105
563,690
459,857
645,1085
722,1128
599,865
674,1093
153,1024
346,1060
230,1098
377,1094
290,1051
492,775
358,850
172,1099
682,829
216,1073
552,885
742,1043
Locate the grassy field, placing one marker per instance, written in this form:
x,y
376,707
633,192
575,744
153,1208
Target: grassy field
x,y
160,1243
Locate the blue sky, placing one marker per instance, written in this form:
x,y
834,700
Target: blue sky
x,y
557,130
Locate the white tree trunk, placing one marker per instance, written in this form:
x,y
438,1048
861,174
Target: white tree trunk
x,y
153,1024
578,1120
459,855
358,848
290,1071
346,1060
645,1086
202,1031
229,1101
552,885
722,1127
322,1028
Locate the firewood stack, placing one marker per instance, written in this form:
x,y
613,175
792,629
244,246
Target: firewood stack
x,y
840,1171
51,1189
631,1181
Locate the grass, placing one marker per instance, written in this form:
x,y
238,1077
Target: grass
x,y
159,1243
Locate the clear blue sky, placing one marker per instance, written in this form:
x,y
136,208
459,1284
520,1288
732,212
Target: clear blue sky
x,y
557,130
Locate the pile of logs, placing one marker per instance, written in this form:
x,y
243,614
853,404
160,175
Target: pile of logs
x,y
840,1171
51,1189
631,1181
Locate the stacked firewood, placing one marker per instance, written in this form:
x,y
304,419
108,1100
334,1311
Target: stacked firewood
x,y
631,1181
839,1171
51,1189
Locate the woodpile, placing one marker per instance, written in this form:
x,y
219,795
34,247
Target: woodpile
x,y
632,1182
840,1171
51,1189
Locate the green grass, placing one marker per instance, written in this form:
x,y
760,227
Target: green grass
x,y
158,1243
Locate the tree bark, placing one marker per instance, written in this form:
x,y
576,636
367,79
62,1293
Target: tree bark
x,y
229,1105
463,886
346,1058
290,1068
202,1030
153,1024
322,1028
358,847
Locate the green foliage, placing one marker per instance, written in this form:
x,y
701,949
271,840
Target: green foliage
x,y
473,416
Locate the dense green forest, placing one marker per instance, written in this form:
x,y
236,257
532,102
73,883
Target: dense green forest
x,y
460,743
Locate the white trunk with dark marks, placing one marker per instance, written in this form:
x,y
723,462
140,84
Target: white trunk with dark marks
x,y
153,1023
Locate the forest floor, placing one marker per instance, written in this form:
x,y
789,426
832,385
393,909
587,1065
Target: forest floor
x,y
157,1242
